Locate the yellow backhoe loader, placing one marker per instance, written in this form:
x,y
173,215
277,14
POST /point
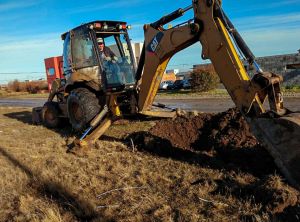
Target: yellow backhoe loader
x,y
98,90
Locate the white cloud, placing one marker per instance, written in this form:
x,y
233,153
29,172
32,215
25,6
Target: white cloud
x,y
273,41
262,42
283,3
273,34
110,5
11,5
12,17
266,22
28,55
265,6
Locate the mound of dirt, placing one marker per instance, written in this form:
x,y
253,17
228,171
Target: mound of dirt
x,y
221,141
207,131
183,131
225,136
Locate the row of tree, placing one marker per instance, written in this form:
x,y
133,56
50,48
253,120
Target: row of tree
x,y
30,87
201,80
204,79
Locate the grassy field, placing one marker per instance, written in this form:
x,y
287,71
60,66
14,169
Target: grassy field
x,y
40,181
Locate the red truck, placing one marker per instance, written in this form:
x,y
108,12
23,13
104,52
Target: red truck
x,y
54,69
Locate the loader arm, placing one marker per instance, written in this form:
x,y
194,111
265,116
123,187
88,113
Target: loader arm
x,y
160,45
277,128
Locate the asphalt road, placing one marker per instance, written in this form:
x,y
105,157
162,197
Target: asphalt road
x,y
218,104
200,104
22,102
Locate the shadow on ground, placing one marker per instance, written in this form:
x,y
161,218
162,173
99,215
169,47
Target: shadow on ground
x,y
23,116
248,160
80,208
26,117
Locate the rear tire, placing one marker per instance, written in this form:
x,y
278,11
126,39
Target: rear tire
x,y
83,106
50,114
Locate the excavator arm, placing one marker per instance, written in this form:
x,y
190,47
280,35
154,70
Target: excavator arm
x,y
277,128
209,30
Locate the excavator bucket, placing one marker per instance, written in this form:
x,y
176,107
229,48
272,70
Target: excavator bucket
x,y
281,137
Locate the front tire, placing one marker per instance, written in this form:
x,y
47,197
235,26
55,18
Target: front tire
x,y
50,112
83,106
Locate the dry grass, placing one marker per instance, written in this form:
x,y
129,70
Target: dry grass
x,y
22,95
41,182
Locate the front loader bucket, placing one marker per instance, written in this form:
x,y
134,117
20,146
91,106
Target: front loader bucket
x,y
281,137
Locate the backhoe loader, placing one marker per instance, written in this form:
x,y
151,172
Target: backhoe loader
x,y
97,90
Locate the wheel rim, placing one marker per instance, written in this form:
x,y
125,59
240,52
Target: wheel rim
x,y
50,117
76,111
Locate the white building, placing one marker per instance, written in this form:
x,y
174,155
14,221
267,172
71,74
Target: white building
x,y
175,71
136,48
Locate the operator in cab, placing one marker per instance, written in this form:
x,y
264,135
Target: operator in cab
x,y
105,52
114,76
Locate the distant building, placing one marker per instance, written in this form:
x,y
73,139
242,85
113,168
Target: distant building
x,y
168,76
287,65
206,67
3,87
175,71
183,75
136,49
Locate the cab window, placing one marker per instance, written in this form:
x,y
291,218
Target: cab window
x,y
82,49
120,69
67,60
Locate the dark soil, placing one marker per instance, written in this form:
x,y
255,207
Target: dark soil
x,y
207,131
223,141
225,136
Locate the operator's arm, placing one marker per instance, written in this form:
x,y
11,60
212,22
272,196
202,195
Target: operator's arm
x,y
109,53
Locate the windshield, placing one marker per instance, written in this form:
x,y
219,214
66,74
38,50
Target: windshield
x,y
116,58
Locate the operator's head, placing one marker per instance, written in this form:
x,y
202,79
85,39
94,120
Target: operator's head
x,y
100,44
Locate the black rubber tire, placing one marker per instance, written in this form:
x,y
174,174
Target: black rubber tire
x,y
83,106
50,112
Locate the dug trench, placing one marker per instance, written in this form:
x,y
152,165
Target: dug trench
x,y
223,141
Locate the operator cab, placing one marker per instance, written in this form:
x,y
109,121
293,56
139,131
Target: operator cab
x,y
101,52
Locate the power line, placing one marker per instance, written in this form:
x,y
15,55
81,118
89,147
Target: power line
x,y
19,73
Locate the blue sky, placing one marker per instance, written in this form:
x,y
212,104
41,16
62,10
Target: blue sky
x,y
30,30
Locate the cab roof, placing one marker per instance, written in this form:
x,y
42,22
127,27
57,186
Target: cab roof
x,y
107,22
